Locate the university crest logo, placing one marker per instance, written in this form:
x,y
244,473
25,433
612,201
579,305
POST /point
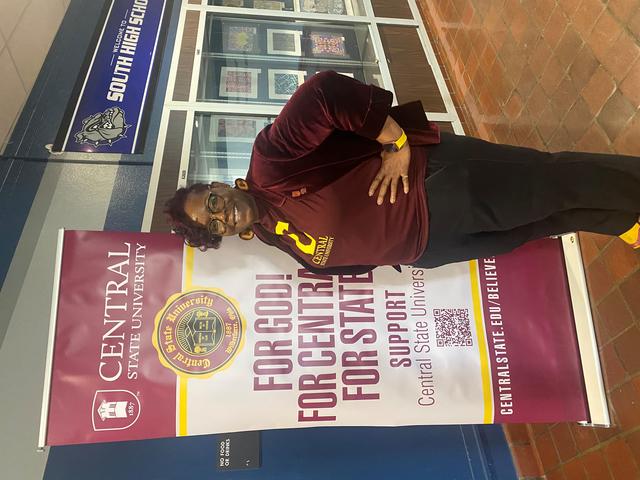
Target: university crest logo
x,y
198,332
103,128
114,410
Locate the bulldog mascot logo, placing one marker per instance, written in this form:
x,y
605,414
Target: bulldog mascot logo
x,y
103,128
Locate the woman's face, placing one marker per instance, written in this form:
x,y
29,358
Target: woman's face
x,y
221,209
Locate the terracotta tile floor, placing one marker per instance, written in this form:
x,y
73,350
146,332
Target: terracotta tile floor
x,y
561,75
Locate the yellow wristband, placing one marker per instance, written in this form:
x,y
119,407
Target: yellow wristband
x,y
401,141
397,145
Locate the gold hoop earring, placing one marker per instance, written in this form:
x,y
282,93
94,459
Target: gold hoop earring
x,y
242,184
247,234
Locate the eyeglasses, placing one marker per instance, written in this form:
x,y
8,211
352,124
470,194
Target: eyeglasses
x,y
215,204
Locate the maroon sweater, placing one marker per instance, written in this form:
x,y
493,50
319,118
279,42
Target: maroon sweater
x,y
311,169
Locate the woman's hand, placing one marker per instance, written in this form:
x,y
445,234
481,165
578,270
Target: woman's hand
x,y
395,166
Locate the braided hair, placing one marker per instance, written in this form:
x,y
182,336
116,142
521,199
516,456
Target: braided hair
x,y
194,234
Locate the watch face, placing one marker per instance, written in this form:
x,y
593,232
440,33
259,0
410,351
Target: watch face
x,y
390,147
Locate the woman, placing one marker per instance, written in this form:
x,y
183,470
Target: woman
x,y
343,182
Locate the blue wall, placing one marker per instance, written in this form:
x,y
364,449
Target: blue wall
x,y
24,160
435,452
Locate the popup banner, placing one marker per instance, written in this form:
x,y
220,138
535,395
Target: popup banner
x,y
150,338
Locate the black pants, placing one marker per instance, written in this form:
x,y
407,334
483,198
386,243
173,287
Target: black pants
x,y
485,199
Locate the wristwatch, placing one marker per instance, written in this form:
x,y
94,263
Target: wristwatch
x,y
397,145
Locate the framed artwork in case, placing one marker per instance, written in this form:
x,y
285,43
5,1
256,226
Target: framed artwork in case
x,y
239,82
236,129
331,43
284,42
282,83
240,38
269,5
328,44
334,7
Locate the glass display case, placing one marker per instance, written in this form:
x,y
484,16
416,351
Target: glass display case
x,y
264,61
239,61
221,146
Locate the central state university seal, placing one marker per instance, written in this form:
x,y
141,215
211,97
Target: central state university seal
x,y
198,332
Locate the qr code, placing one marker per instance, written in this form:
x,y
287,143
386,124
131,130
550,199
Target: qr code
x,y
453,328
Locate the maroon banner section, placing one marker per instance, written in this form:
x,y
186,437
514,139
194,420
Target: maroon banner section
x,y
106,376
533,349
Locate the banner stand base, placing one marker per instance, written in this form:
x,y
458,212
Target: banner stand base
x,y
587,343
